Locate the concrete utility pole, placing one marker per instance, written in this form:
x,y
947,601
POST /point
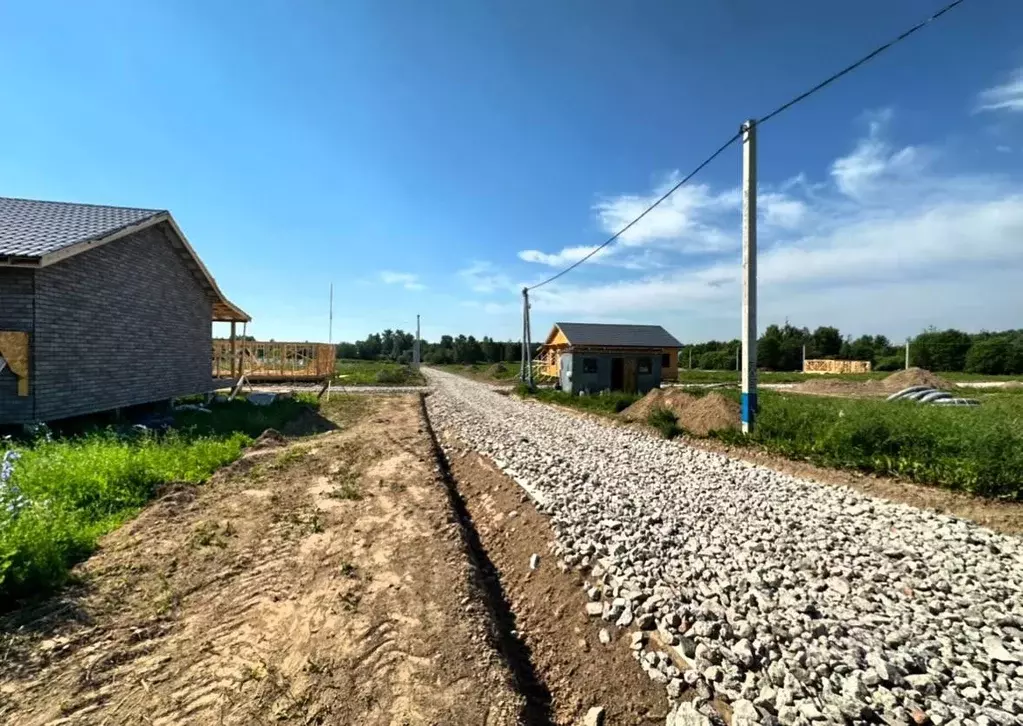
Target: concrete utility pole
x,y
416,354
749,275
907,354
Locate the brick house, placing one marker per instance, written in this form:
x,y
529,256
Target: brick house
x,y
100,308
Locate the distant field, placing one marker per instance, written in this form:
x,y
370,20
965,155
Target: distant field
x,y
701,376
486,372
377,373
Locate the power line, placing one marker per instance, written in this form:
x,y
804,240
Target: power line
x,y
644,213
848,69
784,107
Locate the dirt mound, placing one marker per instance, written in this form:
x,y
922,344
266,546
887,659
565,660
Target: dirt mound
x,y
914,377
497,369
698,415
838,387
269,439
672,399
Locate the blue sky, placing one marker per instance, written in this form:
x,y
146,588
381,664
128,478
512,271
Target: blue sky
x,y
432,157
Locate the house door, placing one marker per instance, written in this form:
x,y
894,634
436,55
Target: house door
x,y
617,374
630,376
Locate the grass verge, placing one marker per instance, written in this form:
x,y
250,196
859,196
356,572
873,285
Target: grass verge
x,y
607,404
59,496
976,450
377,373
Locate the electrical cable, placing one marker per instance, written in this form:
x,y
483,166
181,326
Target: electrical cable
x,y
784,107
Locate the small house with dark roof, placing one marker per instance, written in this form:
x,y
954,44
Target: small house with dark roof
x,y
100,308
592,357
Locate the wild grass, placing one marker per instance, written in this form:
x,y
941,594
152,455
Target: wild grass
x,y
603,403
377,373
977,450
486,372
665,421
700,376
62,494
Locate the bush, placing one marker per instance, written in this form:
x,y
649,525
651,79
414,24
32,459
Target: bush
x,y
664,421
392,375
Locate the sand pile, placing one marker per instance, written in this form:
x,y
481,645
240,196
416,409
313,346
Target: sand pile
x,y
894,382
914,377
698,415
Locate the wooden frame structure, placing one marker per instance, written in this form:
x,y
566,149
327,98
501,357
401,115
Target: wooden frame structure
x,y
824,365
267,361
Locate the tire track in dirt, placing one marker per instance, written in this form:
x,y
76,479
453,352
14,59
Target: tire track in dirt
x,y
317,581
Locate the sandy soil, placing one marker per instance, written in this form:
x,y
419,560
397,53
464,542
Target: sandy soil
x,y
318,581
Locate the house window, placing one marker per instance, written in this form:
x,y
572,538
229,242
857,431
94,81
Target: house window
x,y
589,365
666,360
645,365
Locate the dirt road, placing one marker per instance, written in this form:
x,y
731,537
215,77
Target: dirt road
x,y
317,581
355,576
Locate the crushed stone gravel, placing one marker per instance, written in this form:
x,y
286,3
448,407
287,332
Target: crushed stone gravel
x,y
800,603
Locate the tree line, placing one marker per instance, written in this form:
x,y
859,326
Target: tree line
x,y
780,348
397,345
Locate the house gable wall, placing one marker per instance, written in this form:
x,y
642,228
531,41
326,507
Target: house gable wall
x,y
123,324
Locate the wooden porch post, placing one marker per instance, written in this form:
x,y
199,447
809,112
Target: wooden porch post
x,y
234,351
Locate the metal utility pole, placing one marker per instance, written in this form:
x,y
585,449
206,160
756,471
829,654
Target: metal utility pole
x,y
416,354
749,275
330,324
526,374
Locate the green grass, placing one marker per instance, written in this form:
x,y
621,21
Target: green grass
x,y
377,373
664,421
700,376
483,371
976,450
81,487
607,404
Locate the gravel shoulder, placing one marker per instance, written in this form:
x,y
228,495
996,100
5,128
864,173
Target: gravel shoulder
x,y
793,601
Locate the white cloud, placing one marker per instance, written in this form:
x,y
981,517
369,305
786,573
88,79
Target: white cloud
x,y
889,243
874,161
565,257
483,277
1007,96
407,280
680,222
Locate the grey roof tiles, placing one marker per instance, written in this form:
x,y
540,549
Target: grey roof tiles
x,y
30,228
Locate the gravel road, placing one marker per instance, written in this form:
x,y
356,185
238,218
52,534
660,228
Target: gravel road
x,y
794,601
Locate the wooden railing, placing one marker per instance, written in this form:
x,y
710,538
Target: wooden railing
x,y
270,361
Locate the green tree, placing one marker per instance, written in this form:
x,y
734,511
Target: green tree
x,y
826,342
943,350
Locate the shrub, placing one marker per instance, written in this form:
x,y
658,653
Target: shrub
x,y
392,375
